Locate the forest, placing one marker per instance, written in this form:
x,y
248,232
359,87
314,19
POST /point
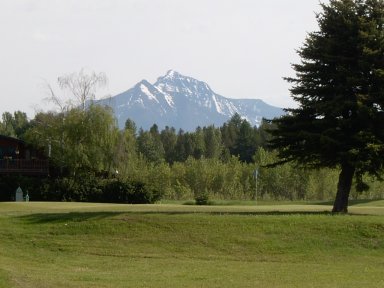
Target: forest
x,y
92,160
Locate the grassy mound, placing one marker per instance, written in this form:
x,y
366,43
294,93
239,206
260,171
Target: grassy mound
x,y
96,245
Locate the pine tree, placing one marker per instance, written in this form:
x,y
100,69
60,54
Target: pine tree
x,y
149,145
339,86
169,138
213,147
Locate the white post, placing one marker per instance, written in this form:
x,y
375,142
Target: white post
x,y
19,195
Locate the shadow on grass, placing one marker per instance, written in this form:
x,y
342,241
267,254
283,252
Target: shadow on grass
x,y
44,218
364,201
350,203
286,213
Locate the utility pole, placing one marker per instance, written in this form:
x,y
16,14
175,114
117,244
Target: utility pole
x,y
256,175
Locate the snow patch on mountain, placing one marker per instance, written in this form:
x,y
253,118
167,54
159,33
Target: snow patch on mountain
x,y
146,91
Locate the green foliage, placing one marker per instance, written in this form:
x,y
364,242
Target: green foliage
x,y
212,142
78,140
168,139
149,144
339,86
14,125
202,198
130,125
118,191
89,188
235,138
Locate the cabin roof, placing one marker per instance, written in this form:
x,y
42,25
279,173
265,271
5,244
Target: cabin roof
x,y
11,139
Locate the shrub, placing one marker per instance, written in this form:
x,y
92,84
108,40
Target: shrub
x,y
202,198
119,191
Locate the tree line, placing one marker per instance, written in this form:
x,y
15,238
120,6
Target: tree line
x,y
95,161
235,138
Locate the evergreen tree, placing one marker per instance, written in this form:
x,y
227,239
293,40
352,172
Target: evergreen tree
x,y
339,86
189,144
262,134
130,125
168,139
230,131
213,147
199,140
245,144
150,146
180,153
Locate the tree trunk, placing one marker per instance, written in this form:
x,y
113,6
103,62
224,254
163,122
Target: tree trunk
x,y
343,188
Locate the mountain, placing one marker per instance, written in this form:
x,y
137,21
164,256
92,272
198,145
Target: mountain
x,y
183,102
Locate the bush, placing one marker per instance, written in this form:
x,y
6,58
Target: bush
x,y
119,191
202,198
89,188
83,188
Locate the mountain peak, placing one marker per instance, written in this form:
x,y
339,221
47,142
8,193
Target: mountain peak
x,y
143,83
172,73
184,102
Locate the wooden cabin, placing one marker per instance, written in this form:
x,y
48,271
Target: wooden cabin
x,y
16,157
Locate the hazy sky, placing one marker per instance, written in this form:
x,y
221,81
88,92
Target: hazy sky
x,y
241,48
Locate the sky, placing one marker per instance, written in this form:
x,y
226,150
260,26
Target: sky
x,y
241,48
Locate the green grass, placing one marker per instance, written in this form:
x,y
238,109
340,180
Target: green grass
x,y
106,245
359,203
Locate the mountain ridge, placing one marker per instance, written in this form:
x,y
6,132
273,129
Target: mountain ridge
x,y
183,102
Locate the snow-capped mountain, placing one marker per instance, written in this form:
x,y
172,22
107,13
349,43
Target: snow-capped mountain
x,y
183,102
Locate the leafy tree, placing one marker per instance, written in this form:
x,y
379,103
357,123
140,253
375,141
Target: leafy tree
x,y
78,140
82,85
101,137
126,150
14,125
82,89
7,128
47,133
20,124
339,86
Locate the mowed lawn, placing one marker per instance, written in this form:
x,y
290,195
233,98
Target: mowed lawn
x,y
104,245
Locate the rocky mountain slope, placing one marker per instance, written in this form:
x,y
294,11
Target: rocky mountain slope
x,y
184,103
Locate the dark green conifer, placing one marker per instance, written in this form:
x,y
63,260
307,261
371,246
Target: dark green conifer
x,y
339,87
